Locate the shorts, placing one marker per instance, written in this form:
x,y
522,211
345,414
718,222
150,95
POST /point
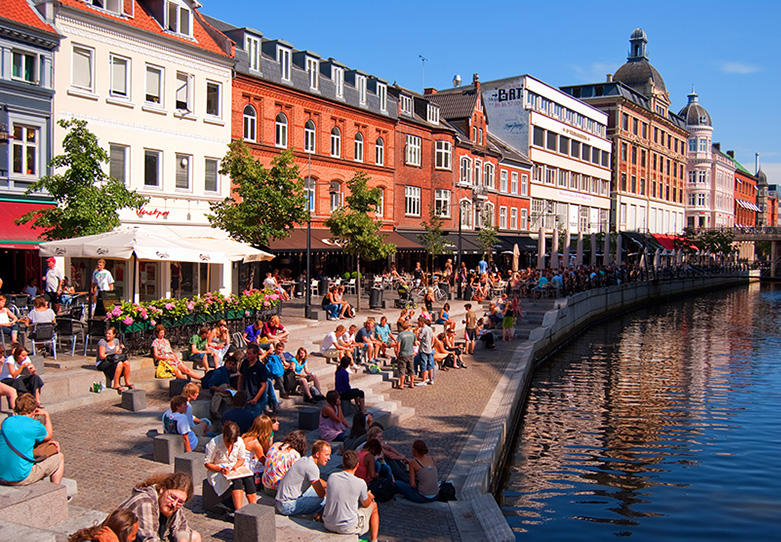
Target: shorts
x,y
426,361
404,365
42,470
360,527
51,297
471,334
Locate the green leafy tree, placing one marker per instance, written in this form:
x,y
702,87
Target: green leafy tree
x,y
358,233
265,203
88,200
486,237
433,238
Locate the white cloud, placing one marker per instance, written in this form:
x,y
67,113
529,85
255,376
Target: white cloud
x,y
772,170
739,68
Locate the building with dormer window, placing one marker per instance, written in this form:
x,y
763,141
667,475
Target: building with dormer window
x,y
152,78
27,45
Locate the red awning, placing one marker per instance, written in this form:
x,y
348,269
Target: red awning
x,y
13,236
665,240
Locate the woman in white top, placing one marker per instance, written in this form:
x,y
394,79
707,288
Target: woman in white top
x,y
11,374
7,320
225,459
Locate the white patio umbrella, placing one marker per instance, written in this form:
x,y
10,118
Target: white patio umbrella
x,y
516,256
579,250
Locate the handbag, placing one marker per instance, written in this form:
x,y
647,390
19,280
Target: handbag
x,y
41,451
163,370
115,358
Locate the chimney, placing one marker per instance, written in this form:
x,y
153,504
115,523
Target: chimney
x,y
717,146
731,154
476,81
610,78
429,91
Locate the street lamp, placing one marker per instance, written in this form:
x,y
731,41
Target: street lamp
x,y
478,194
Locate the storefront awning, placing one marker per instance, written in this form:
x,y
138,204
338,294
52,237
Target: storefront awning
x,y
320,241
667,241
20,237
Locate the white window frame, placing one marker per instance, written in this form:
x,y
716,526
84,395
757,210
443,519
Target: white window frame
x,y
24,146
249,126
117,150
358,147
336,199
158,174
405,104
503,181
382,95
280,130
524,184
442,203
339,82
486,216
113,92
412,200
336,142
310,136
432,113
310,188
89,54
490,175
478,178
466,212
174,24
216,162
360,85
380,208
513,182
513,218
524,219
466,170
442,155
379,152
284,57
218,86
24,57
252,46
412,152
313,72
184,166
182,77
148,71
503,218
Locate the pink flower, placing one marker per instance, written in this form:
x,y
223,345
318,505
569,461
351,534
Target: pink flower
x,y
169,306
246,313
153,322
127,320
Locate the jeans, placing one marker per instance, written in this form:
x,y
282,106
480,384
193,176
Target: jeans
x,y
411,493
398,469
332,310
308,503
271,396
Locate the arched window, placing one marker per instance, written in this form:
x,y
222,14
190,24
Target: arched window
x,y
280,134
466,213
379,152
486,216
250,123
309,136
336,142
358,147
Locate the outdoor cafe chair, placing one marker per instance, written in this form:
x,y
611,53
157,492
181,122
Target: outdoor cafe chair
x,y
43,334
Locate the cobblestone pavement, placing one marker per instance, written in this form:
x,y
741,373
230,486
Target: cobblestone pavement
x,y
108,450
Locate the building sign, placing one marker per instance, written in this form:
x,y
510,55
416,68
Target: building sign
x,y
154,213
509,120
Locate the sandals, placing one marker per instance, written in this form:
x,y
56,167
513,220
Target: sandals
x,y
130,386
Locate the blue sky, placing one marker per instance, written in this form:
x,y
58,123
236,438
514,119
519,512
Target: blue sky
x,y
728,50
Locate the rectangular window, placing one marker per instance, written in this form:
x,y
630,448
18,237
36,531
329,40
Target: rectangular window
x,y
574,180
513,218
551,143
183,94
585,152
524,219
524,184
379,152
432,113
624,122
634,126
178,18
412,200
339,82
183,168
703,145
503,217
283,57
24,66
120,77
213,99
693,144
563,145
605,159
25,149
117,167
382,95
152,163
405,104
442,203
412,154
252,45
211,177
514,182
623,152
312,72
563,177
154,85
380,209
360,83
585,183
550,175
537,173
503,181
645,130
539,137
634,154
643,159
478,179
336,200
466,170
575,149
442,155
82,76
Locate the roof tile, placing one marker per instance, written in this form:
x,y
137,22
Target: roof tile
x,y
21,11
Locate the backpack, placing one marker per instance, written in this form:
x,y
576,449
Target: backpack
x,y
274,366
382,489
447,492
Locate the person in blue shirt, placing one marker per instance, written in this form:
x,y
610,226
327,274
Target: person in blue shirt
x,y
482,265
253,332
20,434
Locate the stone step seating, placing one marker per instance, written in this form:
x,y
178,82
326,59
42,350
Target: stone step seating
x,y
37,512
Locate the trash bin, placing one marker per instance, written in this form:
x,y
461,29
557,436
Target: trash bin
x,y
300,287
445,287
375,298
467,292
323,288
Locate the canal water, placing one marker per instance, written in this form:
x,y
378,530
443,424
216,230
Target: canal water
x,y
663,424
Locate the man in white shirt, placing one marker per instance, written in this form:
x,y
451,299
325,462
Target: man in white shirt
x,y
345,490
52,284
301,491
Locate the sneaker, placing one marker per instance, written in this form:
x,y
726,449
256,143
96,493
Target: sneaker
x,y
421,383
430,382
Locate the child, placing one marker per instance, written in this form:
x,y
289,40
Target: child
x,y
190,392
176,422
470,333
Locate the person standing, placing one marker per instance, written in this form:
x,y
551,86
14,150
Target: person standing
x,y
345,491
52,284
102,281
405,351
425,352
470,334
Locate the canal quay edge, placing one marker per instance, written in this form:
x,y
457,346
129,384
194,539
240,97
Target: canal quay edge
x,y
479,467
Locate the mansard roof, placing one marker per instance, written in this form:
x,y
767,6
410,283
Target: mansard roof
x,y
23,13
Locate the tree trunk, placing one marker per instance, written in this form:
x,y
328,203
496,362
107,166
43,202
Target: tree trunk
x,y
358,283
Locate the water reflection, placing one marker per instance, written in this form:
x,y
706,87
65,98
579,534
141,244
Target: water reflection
x,y
644,427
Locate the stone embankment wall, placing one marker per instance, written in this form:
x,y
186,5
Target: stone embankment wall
x,y
478,470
